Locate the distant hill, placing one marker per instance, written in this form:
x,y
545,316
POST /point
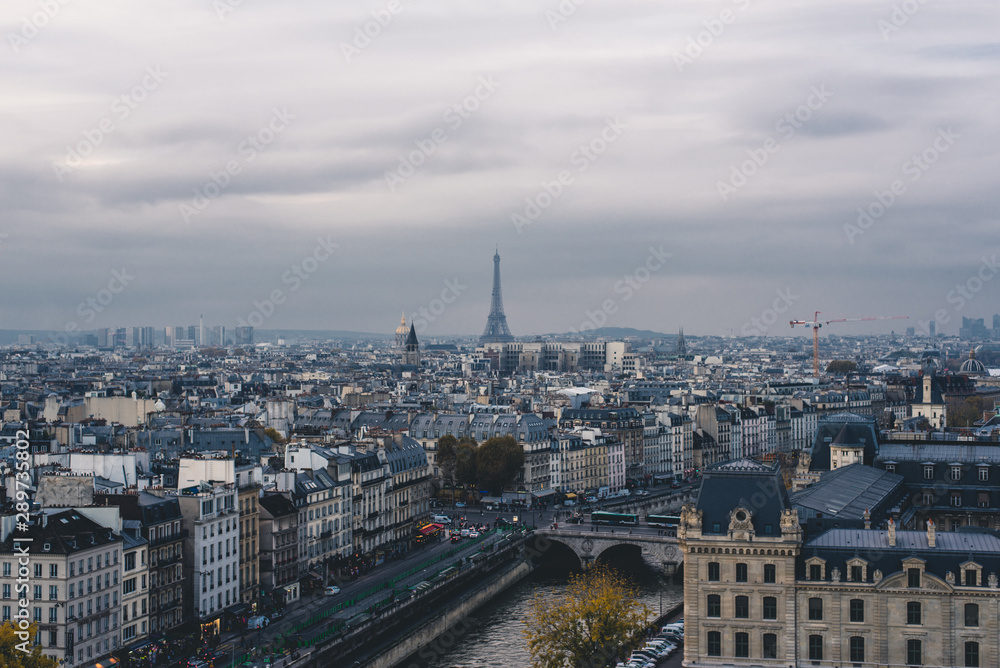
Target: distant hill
x,y
614,333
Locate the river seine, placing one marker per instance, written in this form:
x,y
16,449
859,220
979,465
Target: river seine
x,y
493,637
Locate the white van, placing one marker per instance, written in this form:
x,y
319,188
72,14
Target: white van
x,y
441,519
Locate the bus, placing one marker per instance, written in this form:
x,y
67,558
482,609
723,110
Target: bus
x,y
614,518
665,521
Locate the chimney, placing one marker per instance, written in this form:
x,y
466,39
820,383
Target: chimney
x,y
931,533
868,518
892,533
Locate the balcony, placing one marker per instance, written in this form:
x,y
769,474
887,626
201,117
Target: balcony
x,y
173,538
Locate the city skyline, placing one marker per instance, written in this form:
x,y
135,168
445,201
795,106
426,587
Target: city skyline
x,y
637,165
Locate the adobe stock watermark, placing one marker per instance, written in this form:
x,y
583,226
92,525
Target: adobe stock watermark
x,y
914,168
248,150
786,126
563,11
370,30
294,277
760,324
121,108
714,28
626,288
31,26
453,117
452,290
964,292
89,308
899,16
224,7
581,158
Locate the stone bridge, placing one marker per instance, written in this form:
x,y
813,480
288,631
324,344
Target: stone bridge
x,y
661,553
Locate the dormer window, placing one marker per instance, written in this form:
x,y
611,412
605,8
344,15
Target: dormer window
x,y
971,574
816,569
956,472
857,570
928,471
984,473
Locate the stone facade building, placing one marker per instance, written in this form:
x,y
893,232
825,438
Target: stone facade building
x,y
758,592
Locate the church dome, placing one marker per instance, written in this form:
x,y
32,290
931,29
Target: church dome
x,y
402,330
972,366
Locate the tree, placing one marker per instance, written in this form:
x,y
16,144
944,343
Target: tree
x,y
841,367
498,462
273,434
466,461
964,412
11,646
597,621
447,454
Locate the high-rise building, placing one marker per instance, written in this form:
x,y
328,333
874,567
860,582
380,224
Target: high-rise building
x,y
244,335
496,323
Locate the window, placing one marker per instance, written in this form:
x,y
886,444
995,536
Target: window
x,y
53,615
972,655
6,591
913,612
53,570
6,569
857,649
927,498
890,468
37,593
956,472
770,607
770,573
128,586
713,571
53,593
130,561
38,570
912,577
928,472
714,644
971,577
956,499
815,608
742,645
714,606
983,499
971,614
815,572
53,638
816,648
770,646
72,569
914,653
857,574
857,610
742,609
984,474
741,572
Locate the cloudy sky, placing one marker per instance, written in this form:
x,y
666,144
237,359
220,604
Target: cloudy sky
x,y
638,163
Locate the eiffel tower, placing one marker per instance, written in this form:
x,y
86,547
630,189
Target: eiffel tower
x,y
496,324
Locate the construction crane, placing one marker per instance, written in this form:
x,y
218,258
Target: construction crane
x,y
816,323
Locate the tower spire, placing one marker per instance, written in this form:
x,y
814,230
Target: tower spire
x,y
496,323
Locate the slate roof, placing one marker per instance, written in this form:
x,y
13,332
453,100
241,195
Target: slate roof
x,y
843,429
742,482
847,492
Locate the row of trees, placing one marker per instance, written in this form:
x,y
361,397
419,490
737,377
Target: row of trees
x,y
492,466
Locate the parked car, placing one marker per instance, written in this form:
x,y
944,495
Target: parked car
x,y
460,504
331,591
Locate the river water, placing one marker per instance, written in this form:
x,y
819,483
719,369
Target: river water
x,y
494,636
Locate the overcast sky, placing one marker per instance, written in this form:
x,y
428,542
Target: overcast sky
x,y
731,145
